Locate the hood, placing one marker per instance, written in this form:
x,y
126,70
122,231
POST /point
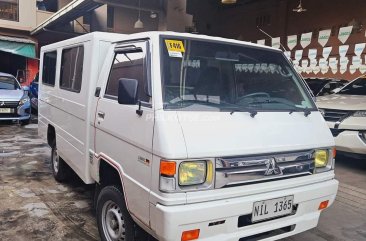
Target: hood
x,y
342,102
11,95
217,134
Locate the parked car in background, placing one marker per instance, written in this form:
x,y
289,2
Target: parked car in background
x,y
14,100
33,93
345,113
324,86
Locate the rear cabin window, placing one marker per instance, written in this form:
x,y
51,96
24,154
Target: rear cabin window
x,y
49,68
129,66
72,69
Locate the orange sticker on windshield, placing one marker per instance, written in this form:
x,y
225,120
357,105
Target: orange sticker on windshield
x,y
175,46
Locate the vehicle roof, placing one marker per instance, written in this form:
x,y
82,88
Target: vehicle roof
x,y
150,34
6,74
117,37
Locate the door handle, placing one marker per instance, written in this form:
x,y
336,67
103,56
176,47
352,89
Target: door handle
x,y
101,115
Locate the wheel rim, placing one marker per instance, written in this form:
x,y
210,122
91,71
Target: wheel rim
x,y
112,222
55,161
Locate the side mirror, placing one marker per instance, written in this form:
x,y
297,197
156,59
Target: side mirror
x,y
127,91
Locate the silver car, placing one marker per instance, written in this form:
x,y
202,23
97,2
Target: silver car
x,y
14,100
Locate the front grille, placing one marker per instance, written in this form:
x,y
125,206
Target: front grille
x,y
9,104
8,115
336,132
335,115
256,169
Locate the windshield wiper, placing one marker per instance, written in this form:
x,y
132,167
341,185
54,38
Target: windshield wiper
x,y
293,107
252,112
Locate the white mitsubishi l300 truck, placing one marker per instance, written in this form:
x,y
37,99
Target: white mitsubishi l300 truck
x,y
188,137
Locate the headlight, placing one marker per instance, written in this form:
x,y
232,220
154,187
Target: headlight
x,y
324,160
360,113
321,158
192,173
24,100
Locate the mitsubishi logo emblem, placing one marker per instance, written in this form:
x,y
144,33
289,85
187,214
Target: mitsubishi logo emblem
x,y
272,168
2,103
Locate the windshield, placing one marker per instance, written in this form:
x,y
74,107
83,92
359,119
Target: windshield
x,y
357,87
201,75
8,83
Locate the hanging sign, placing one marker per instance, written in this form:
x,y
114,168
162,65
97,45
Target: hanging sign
x,y
343,69
344,33
324,69
316,69
326,52
276,42
334,69
312,53
343,61
323,62
362,69
298,54
356,61
288,54
352,69
261,42
359,48
313,62
305,39
324,37
333,62
304,63
343,50
291,41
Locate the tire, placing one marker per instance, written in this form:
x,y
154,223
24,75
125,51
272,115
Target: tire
x,y
25,122
113,219
58,166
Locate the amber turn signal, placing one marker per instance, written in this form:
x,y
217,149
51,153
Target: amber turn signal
x,y
167,168
190,235
323,205
334,152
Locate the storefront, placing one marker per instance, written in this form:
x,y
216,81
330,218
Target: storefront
x,y
18,57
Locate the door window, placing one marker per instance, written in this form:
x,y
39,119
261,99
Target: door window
x,y
72,69
49,68
130,65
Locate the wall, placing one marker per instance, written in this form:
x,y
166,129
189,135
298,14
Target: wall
x,y
27,17
240,22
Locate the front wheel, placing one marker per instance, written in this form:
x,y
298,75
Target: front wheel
x,y
114,221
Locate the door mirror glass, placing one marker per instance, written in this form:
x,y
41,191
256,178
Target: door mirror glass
x,y
127,91
25,88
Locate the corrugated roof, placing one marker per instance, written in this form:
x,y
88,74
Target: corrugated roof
x,y
15,39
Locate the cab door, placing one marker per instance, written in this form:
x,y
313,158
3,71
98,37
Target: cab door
x,y
123,134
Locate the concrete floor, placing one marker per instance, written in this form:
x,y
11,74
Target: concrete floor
x,y
33,206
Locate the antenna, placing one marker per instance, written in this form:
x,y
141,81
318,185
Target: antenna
x,y
283,47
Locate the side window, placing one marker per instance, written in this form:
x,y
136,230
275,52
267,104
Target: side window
x,y
49,68
72,69
131,65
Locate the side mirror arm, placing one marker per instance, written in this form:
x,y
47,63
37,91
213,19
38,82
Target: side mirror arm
x,y
139,111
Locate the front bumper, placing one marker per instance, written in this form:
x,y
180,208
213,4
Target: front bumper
x,y
168,222
20,113
351,141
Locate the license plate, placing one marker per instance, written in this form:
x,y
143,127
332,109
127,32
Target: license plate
x,y
5,110
272,208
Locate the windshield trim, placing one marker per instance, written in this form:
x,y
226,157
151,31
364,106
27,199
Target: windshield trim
x,y
301,80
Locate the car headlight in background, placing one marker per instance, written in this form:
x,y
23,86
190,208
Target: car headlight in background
x,y
24,100
324,159
360,113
